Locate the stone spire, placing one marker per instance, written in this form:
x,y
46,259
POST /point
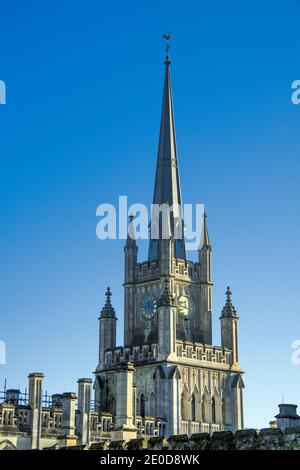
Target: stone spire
x,y
205,262
167,184
228,309
131,251
108,311
204,238
130,241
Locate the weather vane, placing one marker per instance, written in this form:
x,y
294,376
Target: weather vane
x,y
167,37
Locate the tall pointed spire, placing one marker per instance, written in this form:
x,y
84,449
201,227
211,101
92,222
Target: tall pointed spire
x,y
130,242
131,251
167,184
204,238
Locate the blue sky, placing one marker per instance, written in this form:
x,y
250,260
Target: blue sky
x,y
80,127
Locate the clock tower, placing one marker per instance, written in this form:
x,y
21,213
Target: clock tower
x,y
167,255
175,380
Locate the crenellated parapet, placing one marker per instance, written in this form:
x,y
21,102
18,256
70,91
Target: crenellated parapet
x,y
204,353
136,354
185,350
146,271
183,270
187,270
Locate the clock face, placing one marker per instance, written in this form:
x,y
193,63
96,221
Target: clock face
x,y
185,306
149,307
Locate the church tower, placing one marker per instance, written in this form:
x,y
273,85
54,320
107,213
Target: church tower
x,y
180,383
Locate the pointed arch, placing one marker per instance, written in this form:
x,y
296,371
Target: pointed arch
x,y
216,393
142,405
160,384
184,404
152,405
223,410
213,410
205,405
195,404
99,382
159,372
174,372
204,409
226,410
112,405
205,392
193,408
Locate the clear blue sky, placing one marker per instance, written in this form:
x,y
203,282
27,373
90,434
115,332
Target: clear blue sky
x,y
84,86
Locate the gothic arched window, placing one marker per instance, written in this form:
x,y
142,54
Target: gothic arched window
x,y
184,413
152,405
113,406
203,410
223,411
213,410
193,405
142,400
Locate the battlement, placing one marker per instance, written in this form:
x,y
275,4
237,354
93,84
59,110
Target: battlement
x,y
146,270
140,353
185,270
185,350
203,352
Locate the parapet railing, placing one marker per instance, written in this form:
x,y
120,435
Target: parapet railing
x,y
21,399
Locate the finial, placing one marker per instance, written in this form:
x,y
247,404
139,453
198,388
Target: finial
x,y
108,295
228,310
228,294
108,310
167,38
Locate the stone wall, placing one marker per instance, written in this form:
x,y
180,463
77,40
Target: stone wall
x,y
247,439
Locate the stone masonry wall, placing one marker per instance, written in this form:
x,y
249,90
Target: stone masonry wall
x,y
247,439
